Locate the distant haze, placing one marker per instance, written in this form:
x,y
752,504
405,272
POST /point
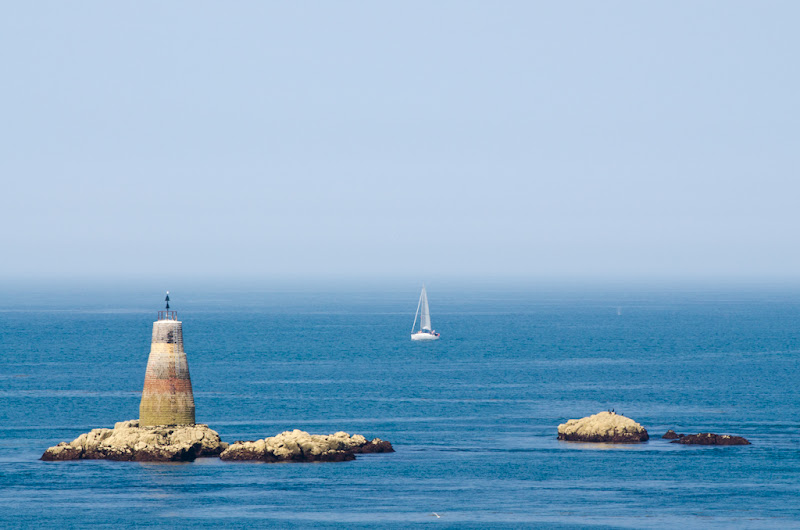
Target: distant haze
x,y
407,139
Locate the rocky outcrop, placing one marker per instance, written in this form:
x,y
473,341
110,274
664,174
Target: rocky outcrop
x,y
299,446
709,438
671,435
128,441
605,427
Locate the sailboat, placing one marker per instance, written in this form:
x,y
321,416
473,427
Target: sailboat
x,y
425,332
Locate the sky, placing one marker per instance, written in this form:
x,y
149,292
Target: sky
x,y
413,139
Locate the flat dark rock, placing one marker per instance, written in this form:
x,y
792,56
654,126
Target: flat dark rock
x,y
709,438
382,446
615,438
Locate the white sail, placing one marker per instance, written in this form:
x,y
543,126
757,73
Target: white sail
x,y
423,311
425,315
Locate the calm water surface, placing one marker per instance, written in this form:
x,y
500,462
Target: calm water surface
x,y
473,417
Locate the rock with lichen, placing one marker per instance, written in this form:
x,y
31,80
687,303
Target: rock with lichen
x,y
605,427
300,446
128,441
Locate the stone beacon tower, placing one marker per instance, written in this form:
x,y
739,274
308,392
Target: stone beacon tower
x,y
167,397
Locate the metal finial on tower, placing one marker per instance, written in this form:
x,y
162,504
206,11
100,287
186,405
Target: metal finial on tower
x,y
166,314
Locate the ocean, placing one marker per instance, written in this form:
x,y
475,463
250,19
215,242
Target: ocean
x,y
472,417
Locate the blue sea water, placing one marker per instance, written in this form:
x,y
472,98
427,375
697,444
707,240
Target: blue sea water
x,y
473,417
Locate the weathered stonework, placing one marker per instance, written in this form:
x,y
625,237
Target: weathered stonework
x,y
167,397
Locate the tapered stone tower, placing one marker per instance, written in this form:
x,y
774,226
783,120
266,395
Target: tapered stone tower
x,y
167,397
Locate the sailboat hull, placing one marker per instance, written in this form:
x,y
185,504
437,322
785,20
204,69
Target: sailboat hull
x,y
424,336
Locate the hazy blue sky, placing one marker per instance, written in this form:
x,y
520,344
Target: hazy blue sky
x,y
414,139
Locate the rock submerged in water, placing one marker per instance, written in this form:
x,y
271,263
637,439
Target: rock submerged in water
x,y
604,427
709,438
128,441
671,435
300,446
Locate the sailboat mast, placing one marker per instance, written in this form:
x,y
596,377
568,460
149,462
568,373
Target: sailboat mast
x,y
417,313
